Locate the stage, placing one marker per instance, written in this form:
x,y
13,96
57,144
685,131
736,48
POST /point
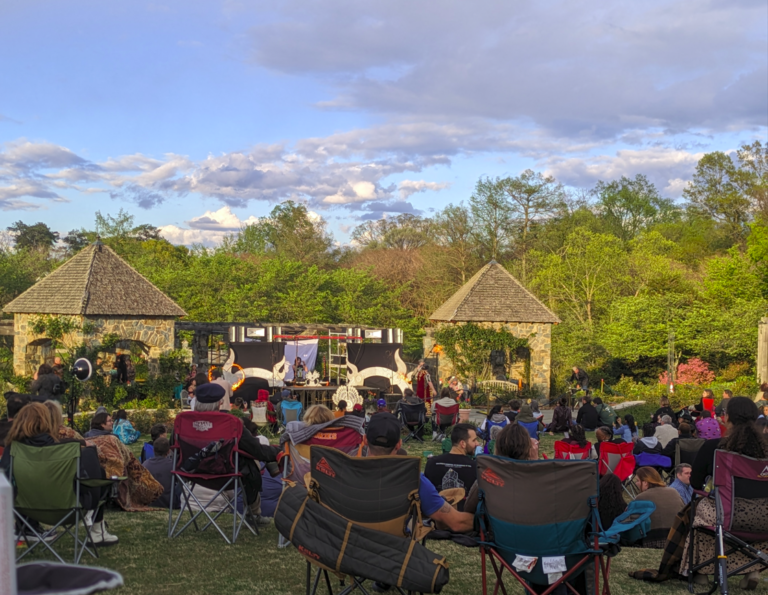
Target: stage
x,y
323,395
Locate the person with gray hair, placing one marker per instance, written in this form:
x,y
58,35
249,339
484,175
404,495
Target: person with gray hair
x,y
209,397
682,482
666,431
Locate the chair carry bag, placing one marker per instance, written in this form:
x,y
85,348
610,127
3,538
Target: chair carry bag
x,y
330,541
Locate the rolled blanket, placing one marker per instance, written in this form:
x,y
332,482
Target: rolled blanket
x,y
298,432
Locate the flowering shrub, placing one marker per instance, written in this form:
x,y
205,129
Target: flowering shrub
x,y
695,371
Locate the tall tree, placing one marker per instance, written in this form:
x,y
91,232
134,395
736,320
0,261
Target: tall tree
x,y
492,216
403,232
752,176
454,232
715,190
629,206
31,237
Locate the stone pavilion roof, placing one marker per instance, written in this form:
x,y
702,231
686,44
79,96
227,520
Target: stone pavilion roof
x,y
95,282
493,295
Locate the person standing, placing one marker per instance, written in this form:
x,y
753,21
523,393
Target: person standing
x,y
47,385
425,390
723,405
226,402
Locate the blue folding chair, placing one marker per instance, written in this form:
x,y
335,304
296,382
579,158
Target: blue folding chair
x,y
291,411
539,522
532,427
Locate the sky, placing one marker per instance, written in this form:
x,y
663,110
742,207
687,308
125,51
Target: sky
x,y
200,116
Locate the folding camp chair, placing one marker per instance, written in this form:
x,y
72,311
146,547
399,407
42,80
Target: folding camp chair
x,y
445,417
291,411
687,449
662,464
539,522
564,450
193,431
618,459
738,482
378,492
295,460
532,427
413,418
44,477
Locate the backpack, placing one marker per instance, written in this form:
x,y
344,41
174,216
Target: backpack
x,y
606,414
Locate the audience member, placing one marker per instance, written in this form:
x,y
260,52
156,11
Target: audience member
x,y
410,398
514,409
699,408
495,418
576,436
357,410
562,417
666,431
603,434
155,432
723,405
537,414
318,414
446,400
683,433
682,482
123,429
664,409
383,439
707,426
209,398
381,406
58,429
648,443
101,425
47,385
13,404
160,466
33,426
526,418
668,503
605,412
611,503
341,408
456,469
217,377
587,416
622,430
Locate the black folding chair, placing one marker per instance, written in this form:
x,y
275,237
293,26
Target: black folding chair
x,y
686,450
413,418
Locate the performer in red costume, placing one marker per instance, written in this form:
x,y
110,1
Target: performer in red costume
x,y
425,390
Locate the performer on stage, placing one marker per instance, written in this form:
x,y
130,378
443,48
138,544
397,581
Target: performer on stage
x,y
425,390
299,370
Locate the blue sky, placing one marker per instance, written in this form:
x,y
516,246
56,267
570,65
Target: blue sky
x,y
199,116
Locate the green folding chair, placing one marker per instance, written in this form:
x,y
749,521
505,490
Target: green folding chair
x,y
48,483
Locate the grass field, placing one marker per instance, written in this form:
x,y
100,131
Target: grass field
x,y
202,564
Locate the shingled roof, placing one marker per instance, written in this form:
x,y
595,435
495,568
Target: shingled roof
x,y
95,282
493,295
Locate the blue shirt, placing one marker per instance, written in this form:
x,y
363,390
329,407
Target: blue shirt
x,y
685,491
624,432
431,500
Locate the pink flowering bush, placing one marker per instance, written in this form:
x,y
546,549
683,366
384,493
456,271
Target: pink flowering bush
x,y
694,371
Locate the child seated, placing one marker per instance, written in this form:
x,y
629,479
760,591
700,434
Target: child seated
x,y
155,432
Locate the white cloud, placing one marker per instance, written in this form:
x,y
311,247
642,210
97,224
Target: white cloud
x,y
409,187
222,220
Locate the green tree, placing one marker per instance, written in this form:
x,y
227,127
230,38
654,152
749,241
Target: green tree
x,y
403,232
492,218
715,190
629,206
454,232
32,237
752,176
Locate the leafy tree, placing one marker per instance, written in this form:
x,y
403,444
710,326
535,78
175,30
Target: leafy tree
x,y
75,241
629,206
715,190
31,237
403,232
752,176
492,217
454,231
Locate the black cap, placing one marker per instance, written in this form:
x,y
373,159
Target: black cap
x,y
210,392
383,430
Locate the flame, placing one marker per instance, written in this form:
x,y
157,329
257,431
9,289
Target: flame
x,y
438,349
239,383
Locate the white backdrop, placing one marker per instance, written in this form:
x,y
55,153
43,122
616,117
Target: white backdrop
x,y
306,349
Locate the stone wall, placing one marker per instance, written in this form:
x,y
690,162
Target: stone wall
x,y
540,347
29,349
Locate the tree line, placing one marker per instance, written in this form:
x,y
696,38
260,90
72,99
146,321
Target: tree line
x,y
621,265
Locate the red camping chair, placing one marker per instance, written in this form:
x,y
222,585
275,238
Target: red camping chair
x,y
619,460
192,432
563,450
445,417
296,459
740,483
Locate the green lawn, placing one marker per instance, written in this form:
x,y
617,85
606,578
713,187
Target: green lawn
x,y
202,564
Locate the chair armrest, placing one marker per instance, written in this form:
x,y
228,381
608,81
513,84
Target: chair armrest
x,y
100,483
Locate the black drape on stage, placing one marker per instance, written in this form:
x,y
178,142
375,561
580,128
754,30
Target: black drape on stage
x,y
258,355
374,355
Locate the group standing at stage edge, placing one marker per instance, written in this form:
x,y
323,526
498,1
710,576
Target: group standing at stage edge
x,y
448,491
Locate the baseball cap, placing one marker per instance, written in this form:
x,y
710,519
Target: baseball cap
x,y
209,393
357,407
383,430
381,403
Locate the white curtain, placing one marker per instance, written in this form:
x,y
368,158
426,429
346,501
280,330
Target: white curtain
x,y
306,349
